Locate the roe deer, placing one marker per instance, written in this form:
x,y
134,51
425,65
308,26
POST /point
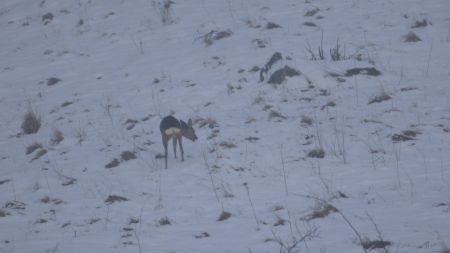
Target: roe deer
x,y
172,128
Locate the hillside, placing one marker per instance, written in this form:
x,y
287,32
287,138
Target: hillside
x,y
323,126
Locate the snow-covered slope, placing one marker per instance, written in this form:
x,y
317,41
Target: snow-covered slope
x,y
349,154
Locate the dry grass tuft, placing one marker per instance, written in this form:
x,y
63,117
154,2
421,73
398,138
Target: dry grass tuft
x,y
322,210
57,137
164,221
31,122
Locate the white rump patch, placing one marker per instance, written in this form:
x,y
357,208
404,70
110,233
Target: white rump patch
x,y
172,131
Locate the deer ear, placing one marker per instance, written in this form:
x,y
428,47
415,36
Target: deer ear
x,y
190,122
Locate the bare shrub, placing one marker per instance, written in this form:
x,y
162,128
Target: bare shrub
x,y
33,147
31,122
57,137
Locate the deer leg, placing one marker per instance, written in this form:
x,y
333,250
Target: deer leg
x,y
165,142
175,147
181,148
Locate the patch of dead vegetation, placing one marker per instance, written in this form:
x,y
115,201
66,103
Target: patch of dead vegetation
x,y
321,210
383,96
31,122
164,221
311,12
54,201
316,153
227,144
224,216
33,147
201,235
279,76
421,23
369,71
209,38
411,37
374,244
57,137
406,135
272,25
115,198
127,155
114,163
39,154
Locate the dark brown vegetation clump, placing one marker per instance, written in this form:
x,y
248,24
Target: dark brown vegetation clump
x,y
33,147
31,123
127,155
363,71
375,244
411,37
114,198
316,153
380,98
112,164
224,216
280,75
321,211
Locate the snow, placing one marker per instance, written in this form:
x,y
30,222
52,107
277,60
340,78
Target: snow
x,y
122,69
